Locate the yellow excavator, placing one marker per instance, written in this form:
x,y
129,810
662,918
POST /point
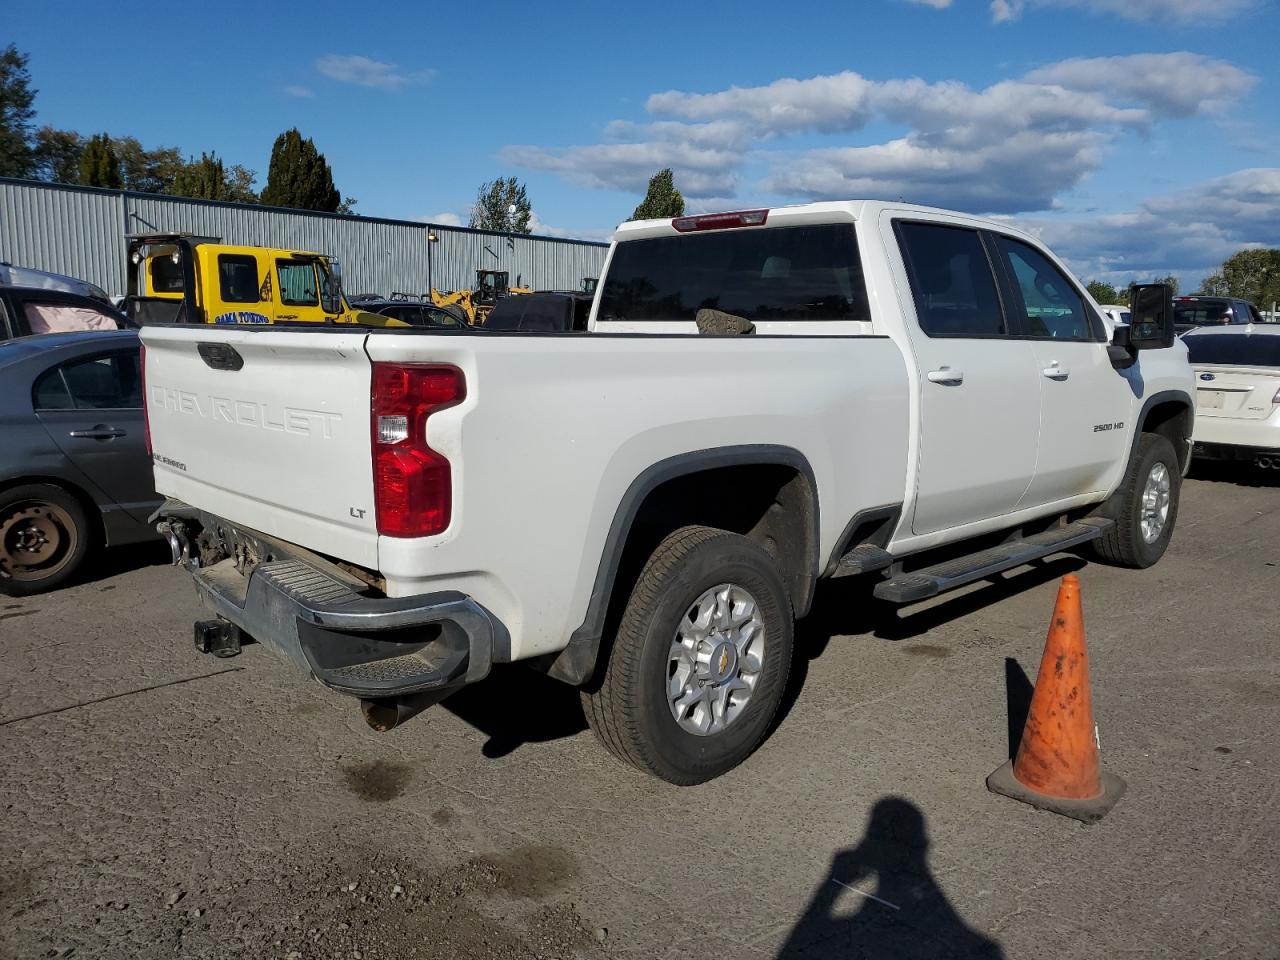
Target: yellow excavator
x,y
474,306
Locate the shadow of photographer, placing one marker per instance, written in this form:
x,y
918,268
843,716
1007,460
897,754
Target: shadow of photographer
x,y
901,911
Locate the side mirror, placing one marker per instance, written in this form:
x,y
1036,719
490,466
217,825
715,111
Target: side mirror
x,y
1151,316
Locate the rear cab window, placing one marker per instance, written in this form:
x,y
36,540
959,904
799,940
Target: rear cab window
x,y
238,278
1201,313
797,274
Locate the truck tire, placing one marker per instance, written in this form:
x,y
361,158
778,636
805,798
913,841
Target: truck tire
x,y
1145,508
44,538
700,661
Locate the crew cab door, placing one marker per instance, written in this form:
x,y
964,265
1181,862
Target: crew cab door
x,y
980,388
1084,401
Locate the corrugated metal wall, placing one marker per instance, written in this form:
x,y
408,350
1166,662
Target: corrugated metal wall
x,y
80,232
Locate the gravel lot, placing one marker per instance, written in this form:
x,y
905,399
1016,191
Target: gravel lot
x,y
158,803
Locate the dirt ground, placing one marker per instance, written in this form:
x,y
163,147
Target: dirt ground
x,y
158,803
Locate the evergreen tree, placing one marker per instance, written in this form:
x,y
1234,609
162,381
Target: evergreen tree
x,y
203,179
99,165
663,199
299,176
502,205
17,151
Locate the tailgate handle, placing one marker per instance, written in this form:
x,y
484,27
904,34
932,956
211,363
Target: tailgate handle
x,y
220,356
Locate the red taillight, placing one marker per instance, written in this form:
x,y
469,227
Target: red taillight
x,y
721,221
412,487
146,412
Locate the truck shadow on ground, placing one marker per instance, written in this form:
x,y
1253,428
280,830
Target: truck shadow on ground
x,y
846,607
1241,473
896,907
534,708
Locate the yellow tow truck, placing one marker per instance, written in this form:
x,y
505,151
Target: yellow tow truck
x,y
184,278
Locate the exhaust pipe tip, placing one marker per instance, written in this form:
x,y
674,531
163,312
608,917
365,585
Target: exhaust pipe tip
x,y
387,713
175,548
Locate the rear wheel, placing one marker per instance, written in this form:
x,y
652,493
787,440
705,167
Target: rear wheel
x,y
1146,506
700,661
44,537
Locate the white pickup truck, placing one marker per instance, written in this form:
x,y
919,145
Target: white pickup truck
x,y
762,399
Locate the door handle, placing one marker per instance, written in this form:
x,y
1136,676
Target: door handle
x,y
98,433
1056,371
946,376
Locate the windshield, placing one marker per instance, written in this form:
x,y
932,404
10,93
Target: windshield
x,y
1234,349
779,273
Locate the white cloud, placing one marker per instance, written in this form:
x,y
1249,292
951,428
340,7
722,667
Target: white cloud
x,y
1187,233
1176,11
1169,84
297,90
628,166
537,226
827,104
1013,146
367,72
445,219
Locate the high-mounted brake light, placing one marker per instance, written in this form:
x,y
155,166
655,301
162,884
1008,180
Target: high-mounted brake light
x,y
412,486
721,221
146,412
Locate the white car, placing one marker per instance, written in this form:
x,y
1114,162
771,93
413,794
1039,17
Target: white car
x,y
1237,392
762,399
1118,313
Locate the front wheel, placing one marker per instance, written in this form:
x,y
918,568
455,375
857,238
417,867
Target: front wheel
x,y
1145,506
44,537
700,661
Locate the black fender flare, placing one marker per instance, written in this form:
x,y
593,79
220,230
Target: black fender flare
x,y
576,662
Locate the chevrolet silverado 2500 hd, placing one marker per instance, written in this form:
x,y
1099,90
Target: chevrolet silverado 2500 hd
x,y
644,508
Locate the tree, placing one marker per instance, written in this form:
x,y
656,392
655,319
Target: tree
x,y
1103,292
299,176
99,165
57,154
147,171
1252,275
17,153
663,199
502,205
240,181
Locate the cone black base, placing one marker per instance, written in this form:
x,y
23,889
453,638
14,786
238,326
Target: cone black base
x,y
1087,811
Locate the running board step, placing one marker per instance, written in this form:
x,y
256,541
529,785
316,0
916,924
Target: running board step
x,y
864,558
931,581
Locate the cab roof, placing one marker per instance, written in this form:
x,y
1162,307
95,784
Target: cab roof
x,y
827,211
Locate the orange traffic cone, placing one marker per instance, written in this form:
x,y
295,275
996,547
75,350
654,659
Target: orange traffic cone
x,y
1057,767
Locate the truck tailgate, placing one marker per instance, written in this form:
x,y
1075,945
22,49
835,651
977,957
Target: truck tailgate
x,y
266,428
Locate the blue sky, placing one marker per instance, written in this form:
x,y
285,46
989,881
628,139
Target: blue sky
x,y
1137,136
